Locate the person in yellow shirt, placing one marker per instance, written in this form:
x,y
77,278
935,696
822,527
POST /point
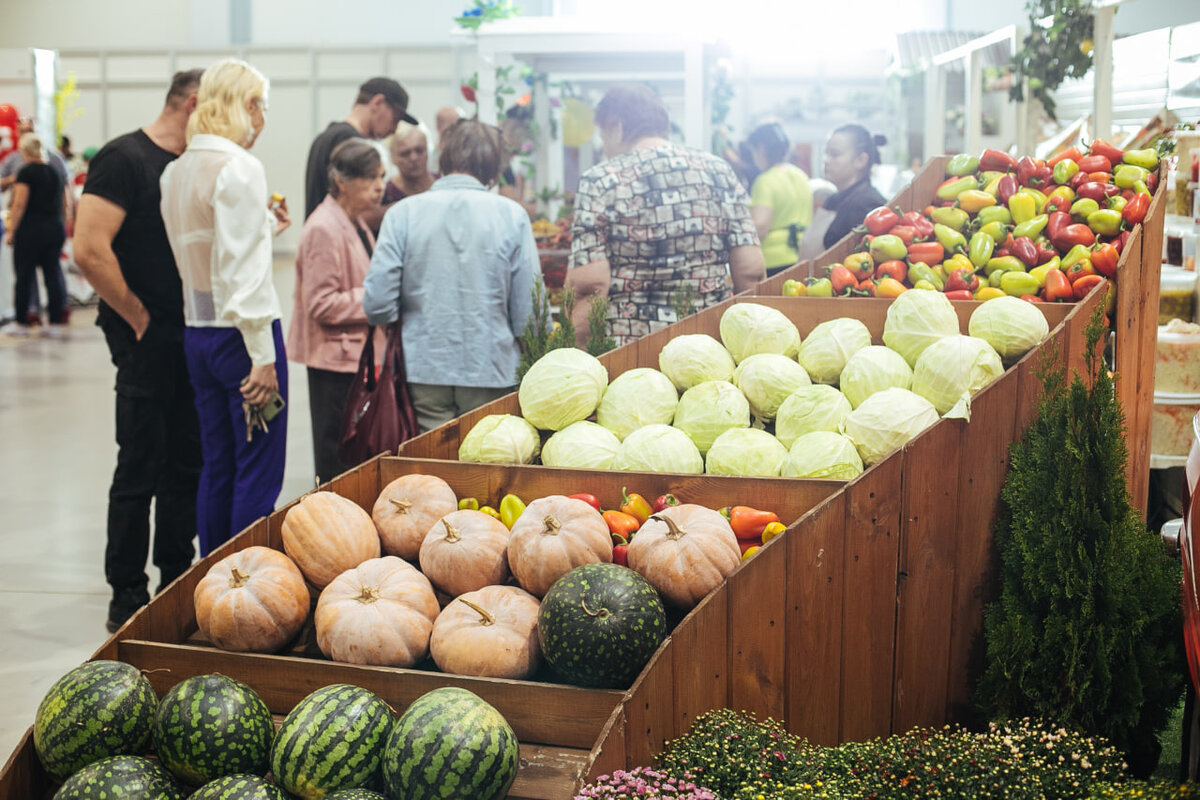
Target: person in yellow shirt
x,y
780,198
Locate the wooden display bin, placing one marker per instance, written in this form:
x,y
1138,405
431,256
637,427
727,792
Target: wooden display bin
x,y
1135,316
558,725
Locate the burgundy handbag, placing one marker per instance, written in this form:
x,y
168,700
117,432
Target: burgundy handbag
x,y
379,415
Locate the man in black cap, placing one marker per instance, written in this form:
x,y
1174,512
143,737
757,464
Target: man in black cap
x,y
381,105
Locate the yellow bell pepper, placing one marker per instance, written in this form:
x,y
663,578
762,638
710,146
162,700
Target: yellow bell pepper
x,y
973,200
989,293
772,530
511,508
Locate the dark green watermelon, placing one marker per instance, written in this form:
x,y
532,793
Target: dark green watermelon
x,y
124,777
355,794
97,710
209,726
599,624
450,744
239,787
333,739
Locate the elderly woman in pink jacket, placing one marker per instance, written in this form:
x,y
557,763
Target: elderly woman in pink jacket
x,y
329,326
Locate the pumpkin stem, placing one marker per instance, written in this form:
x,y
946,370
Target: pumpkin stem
x,y
486,617
673,530
402,506
452,534
552,525
369,595
602,613
239,578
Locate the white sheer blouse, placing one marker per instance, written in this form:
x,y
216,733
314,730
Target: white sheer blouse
x,y
214,207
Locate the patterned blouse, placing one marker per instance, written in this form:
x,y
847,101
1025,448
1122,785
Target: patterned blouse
x,y
665,218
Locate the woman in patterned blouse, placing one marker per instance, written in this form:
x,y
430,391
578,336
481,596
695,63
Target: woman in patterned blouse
x,y
656,223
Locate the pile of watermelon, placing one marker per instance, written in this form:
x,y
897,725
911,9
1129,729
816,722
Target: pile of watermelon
x,y
214,739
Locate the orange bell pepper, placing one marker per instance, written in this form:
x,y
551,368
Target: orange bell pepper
x,y
621,525
1058,287
636,506
749,523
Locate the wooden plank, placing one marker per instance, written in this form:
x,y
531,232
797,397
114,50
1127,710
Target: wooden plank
x,y
982,465
700,685
813,625
23,776
757,642
608,755
869,600
928,545
547,773
538,712
1148,285
650,708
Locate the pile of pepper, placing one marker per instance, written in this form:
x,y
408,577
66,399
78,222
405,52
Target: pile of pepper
x,y
1041,230
752,527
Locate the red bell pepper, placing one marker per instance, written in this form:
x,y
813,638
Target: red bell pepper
x,y
1031,173
866,288
1031,298
1044,253
1120,241
1080,270
843,280
748,523
1102,177
1151,182
906,233
621,555
1071,153
1095,163
1135,209
1094,190
996,160
1058,287
1055,223
1104,259
930,253
590,499
881,220
894,269
621,524
960,294
1103,148
1082,287
1024,249
1006,188
962,279
922,224
664,501
1075,234
1079,180
635,506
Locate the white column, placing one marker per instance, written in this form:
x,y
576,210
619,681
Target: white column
x,y
973,115
1103,44
935,111
485,92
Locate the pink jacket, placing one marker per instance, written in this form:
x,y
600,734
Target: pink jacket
x,y
329,326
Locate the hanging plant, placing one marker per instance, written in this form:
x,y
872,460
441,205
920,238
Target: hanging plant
x,y
1053,52
486,11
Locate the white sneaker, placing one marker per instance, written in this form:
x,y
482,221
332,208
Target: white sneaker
x,y
15,329
55,331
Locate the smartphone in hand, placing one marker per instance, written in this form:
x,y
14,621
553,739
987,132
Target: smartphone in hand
x,y
273,406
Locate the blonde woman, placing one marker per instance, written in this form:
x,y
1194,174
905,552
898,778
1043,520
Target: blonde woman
x,y
36,234
214,208
409,148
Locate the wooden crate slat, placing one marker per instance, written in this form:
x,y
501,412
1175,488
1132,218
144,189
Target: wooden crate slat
x,y
608,755
869,600
538,712
700,683
757,613
650,708
813,626
547,771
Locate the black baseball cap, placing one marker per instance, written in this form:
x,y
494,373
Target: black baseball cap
x,y
392,92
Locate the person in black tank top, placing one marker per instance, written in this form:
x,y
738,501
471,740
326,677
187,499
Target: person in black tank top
x,y
36,234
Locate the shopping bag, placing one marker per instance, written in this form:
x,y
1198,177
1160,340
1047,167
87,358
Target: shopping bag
x,y
379,415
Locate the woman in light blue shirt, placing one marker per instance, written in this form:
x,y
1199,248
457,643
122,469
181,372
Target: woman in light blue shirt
x,y
457,264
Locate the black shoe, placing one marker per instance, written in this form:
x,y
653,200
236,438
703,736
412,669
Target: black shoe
x,y
169,574
125,604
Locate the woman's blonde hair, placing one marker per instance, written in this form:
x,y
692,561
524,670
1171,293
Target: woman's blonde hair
x,y
221,101
30,145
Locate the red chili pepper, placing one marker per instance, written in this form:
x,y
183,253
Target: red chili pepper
x,y
1006,188
1075,234
1095,163
842,279
996,160
1104,259
1083,287
961,280
906,233
1058,287
1103,148
1055,224
1071,153
931,253
664,501
748,523
960,294
893,269
1024,249
621,555
919,222
881,220
1135,209
621,524
1151,182
590,499
635,506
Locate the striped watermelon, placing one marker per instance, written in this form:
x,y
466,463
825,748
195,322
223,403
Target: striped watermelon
x,y
355,794
126,777
333,739
239,787
209,726
599,624
98,709
450,744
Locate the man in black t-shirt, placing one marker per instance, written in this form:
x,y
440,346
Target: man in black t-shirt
x,y
121,246
380,106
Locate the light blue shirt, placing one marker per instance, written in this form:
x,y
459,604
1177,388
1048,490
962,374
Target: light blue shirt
x,y
459,263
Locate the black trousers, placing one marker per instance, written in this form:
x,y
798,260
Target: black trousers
x,y
38,243
158,457
327,392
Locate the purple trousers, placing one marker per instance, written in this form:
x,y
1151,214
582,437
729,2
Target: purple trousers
x,y
240,481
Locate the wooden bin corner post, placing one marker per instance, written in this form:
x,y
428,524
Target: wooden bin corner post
x,y
757,640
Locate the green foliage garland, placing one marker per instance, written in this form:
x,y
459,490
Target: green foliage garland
x,y
545,331
1086,632
1049,55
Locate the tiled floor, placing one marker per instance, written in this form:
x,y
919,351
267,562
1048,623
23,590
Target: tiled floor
x,y
56,458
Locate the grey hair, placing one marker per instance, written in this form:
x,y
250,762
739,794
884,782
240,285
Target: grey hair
x,y
353,158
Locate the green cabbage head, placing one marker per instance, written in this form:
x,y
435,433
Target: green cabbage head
x,y
695,358
581,445
767,379
811,408
562,387
749,328
825,351
635,398
822,454
709,409
500,439
745,451
659,448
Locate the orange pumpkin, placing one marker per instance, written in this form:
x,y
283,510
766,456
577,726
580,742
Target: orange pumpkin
x,y
379,613
407,508
554,535
326,534
253,600
490,633
685,551
466,550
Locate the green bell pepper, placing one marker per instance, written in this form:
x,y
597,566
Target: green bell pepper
x,y
951,240
1146,159
1076,253
962,164
921,271
820,287
997,230
1005,263
951,189
1032,227
1017,284
1126,175
1064,171
1082,207
980,249
1105,222
951,217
